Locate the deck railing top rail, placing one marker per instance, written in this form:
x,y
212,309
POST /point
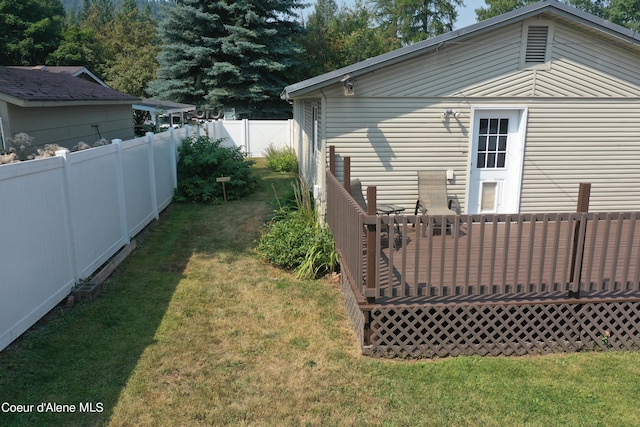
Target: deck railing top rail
x,y
387,257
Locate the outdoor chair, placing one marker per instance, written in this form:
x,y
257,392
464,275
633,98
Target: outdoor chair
x,y
358,195
432,196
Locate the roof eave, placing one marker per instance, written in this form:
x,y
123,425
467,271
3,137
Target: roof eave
x,y
63,103
420,48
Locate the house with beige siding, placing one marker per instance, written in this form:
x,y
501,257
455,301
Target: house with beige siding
x,y
57,106
519,109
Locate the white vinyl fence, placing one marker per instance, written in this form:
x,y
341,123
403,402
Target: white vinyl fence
x,y
253,136
61,218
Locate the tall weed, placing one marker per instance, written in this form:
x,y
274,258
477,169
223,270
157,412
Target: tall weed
x,y
281,159
295,240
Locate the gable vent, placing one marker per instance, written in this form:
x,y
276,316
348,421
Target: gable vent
x,y
536,45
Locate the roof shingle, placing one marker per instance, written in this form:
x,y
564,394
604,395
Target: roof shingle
x,y
35,85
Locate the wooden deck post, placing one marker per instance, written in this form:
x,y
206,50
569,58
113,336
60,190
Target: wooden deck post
x,y
371,245
346,174
332,159
584,194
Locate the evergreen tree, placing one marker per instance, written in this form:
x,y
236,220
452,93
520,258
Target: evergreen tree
x,y
415,20
229,54
498,7
31,29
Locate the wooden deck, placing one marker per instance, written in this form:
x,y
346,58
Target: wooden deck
x,y
491,284
507,255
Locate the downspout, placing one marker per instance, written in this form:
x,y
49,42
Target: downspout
x,y
323,153
4,141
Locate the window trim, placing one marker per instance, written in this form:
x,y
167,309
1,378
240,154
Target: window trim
x,y
315,142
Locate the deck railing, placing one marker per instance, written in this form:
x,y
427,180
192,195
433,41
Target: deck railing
x,y
345,219
479,257
486,255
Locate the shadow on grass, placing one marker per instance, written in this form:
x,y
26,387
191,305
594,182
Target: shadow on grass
x,y
82,357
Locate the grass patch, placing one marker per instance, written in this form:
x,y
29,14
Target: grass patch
x,y
194,329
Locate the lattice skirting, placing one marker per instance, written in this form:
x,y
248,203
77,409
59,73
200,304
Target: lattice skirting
x,y
510,329
353,310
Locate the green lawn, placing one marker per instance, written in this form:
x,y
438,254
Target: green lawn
x,y
194,330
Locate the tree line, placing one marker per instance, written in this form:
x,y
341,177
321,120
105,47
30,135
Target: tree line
x,y
228,54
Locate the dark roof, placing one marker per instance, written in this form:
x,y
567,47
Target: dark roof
x,y
74,70
546,6
31,86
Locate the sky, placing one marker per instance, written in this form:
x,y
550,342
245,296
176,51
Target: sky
x,y
466,15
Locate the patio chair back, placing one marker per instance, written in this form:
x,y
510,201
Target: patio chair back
x,y
432,193
356,193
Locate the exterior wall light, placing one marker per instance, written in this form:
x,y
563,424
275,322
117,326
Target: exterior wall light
x,y
349,85
450,112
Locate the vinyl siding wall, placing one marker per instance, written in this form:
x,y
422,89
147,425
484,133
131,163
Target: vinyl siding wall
x,y
66,126
583,118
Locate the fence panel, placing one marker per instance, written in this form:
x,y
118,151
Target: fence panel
x,y
138,200
253,136
63,217
163,163
95,207
233,131
36,263
265,133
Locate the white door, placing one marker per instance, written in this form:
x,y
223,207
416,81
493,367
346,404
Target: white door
x,y
495,161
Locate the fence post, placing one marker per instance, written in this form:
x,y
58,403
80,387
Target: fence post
x,y
152,176
71,235
579,235
291,136
244,140
173,158
122,200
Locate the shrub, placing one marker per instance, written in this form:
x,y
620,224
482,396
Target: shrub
x,y
202,160
294,239
281,159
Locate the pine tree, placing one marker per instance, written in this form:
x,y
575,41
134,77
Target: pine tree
x,y
229,54
415,20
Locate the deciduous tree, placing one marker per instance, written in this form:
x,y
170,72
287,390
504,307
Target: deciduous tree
x,y
133,48
30,30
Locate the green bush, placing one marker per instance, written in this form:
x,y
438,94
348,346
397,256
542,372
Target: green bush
x,y
294,240
281,159
202,160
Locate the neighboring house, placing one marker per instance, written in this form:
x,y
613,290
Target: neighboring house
x,y
520,108
72,70
60,108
